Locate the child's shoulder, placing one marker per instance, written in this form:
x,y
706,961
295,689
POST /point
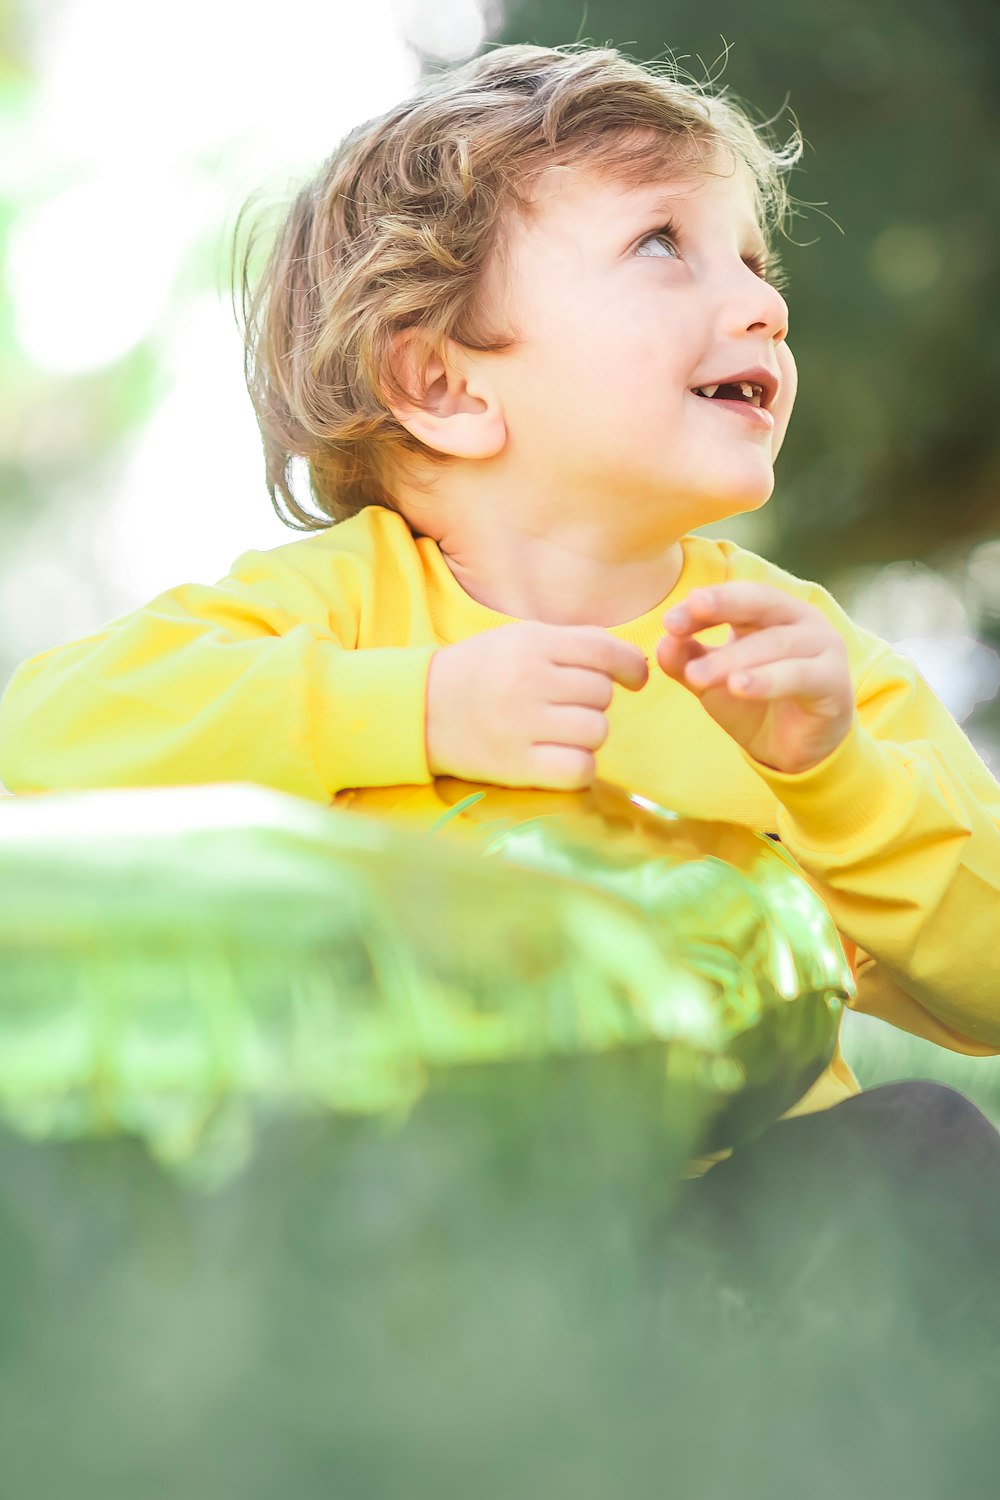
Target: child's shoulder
x,y
367,534
730,562
374,539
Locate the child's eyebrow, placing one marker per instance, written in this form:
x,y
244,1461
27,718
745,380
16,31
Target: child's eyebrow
x,y
658,203
662,203
667,204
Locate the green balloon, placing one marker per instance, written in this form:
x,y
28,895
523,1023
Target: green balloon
x,y
180,963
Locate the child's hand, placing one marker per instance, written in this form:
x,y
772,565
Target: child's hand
x,y
523,705
780,686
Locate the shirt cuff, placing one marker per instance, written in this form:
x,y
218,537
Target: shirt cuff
x,y
857,786
369,717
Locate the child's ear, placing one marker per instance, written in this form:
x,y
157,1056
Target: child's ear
x,y
445,399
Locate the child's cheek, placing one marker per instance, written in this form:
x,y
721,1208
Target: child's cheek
x,y
789,378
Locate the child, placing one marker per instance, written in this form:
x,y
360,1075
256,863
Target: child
x,y
525,332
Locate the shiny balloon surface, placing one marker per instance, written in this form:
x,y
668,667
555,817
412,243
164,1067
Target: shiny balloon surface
x,y
178,960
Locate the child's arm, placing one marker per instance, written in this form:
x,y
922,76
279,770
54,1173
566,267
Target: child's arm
x,y
312,668
251,679
898,823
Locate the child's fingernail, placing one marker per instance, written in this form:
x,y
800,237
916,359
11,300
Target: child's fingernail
x,y
676,616
742,681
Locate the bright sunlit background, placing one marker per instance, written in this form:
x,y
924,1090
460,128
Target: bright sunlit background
x,y
132,459
129,456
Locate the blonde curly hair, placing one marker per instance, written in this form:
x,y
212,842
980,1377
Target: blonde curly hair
x,y
399,225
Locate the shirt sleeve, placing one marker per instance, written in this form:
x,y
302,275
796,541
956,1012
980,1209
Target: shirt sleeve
x,y
900,830
251,679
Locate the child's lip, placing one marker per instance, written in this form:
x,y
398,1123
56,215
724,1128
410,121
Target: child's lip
x,y
759,415
758,375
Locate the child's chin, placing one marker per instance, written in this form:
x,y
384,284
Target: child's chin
x,y
739,500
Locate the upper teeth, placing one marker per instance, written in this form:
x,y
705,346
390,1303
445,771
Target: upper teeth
x,y
748,389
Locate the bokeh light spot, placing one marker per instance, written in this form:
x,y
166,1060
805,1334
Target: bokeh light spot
x,y
906,259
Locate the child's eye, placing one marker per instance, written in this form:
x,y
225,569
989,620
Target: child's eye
x,y
664,239
768,269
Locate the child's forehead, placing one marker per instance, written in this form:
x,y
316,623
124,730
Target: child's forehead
x,y
575,189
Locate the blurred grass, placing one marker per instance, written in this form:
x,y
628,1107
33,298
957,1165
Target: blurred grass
x,y
880,1053
481,1300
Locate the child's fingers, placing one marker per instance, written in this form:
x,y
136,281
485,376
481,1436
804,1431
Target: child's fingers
x,y
782,643
811,678
581,685
675,652
590,646
740,604
560,768
566,724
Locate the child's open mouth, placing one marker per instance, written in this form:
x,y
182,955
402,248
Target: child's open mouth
x,y
746,398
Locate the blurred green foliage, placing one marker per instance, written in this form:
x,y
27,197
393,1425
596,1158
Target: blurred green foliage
x,y
880,1053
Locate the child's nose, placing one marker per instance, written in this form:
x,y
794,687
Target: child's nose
x,y
755,306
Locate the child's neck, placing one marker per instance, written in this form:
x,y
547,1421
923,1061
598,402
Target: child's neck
x,y
533,543
560,581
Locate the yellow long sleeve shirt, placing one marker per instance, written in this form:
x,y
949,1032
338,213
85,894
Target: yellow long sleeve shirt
x,y
305,670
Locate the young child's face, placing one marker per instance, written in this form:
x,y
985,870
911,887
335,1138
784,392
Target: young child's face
x,y
619,320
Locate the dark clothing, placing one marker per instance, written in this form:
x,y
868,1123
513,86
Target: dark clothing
x,y
889,1199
